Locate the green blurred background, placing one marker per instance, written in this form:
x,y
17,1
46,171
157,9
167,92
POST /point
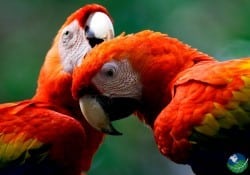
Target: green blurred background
x,y
219,28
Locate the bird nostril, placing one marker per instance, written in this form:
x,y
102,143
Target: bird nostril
x,y
94,41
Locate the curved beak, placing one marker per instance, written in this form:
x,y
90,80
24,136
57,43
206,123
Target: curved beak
x,y
99,28
101,110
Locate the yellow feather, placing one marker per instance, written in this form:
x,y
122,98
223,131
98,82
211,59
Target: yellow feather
x,y
240,96
14,148
241,116
209,125
224,116
232,105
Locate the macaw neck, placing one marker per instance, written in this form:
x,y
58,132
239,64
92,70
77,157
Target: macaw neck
x,y
54,87
56,91
54,84
160,71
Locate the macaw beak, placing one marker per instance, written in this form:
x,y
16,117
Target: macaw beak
x,y
100,111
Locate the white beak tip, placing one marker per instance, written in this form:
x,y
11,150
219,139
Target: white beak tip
x,y
95,115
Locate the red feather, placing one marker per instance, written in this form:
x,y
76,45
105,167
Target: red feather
x,y
48,132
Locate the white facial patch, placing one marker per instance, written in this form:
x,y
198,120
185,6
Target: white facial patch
x,y
118,79
73,46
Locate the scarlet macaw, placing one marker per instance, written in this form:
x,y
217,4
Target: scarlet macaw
x,y
197,107
47,135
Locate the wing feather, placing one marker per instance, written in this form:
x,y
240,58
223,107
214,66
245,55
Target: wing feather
x,y
33,137
208,118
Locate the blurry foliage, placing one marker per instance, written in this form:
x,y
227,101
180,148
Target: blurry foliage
x,y
219,28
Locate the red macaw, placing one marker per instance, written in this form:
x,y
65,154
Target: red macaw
x,y
198,108
47,135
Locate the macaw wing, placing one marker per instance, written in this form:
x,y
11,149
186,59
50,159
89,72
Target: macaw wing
x,y
208,118
30,161
37,140
223,91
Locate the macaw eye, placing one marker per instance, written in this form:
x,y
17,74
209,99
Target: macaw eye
x,y
117,78
109,70
67,36
66,33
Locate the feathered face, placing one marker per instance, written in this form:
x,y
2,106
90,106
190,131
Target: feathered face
x,y
114,93
110,83
84,29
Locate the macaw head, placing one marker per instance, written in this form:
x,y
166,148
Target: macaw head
x,y
82,30
85,28
130,74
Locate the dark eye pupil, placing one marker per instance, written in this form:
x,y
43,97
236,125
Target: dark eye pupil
x,y
110,73
67,32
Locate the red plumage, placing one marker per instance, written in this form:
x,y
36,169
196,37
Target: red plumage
x,y
197,107
47,135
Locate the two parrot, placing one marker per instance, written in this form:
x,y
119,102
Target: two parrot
x,y
47,135
197,107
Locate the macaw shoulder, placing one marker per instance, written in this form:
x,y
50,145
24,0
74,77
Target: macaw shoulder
x,y
217,73
222,91
218,88
35,116
214,93
210,100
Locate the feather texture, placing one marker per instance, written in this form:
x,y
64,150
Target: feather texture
x,y
198,107
48,135
34,136
208,118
